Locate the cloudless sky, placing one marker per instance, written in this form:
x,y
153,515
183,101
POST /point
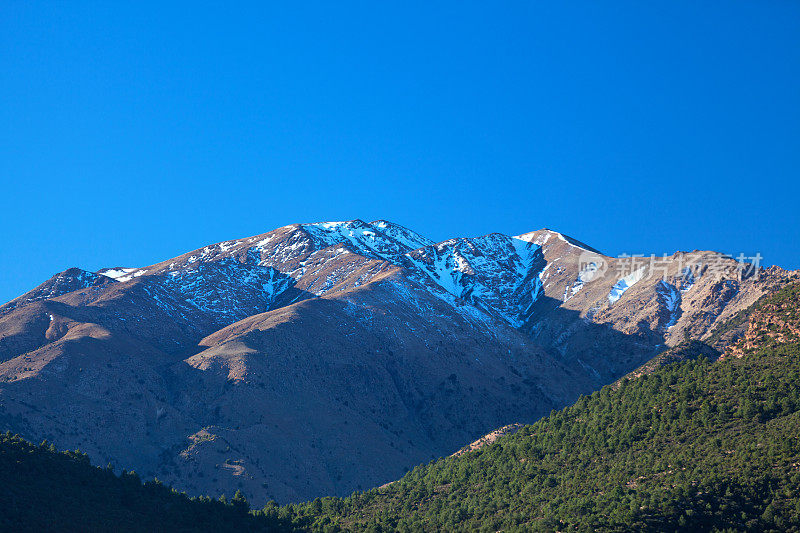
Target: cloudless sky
x,y
133,133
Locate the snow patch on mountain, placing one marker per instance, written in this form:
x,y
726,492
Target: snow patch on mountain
x,y
225,246
447,271
402,234
543,236
493,271
472,314
670,297
227,289
119,274
687,279
70,280
483,270
621,286
587,274
362,237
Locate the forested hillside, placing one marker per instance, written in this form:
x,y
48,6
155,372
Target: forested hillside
x,y
696,445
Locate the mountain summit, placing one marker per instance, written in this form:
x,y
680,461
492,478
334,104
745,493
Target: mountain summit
x,y
321,358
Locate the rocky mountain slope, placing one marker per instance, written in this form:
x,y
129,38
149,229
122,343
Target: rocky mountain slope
x,y
319,358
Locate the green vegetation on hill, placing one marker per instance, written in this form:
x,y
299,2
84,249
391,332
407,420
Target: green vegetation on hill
x,y
694,446
685,351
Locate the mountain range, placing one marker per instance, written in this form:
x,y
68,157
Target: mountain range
x,y
318,359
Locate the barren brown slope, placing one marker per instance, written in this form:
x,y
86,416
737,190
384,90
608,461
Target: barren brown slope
x,y
319,397
350,391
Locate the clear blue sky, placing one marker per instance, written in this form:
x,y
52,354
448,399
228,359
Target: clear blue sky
x,y
130,134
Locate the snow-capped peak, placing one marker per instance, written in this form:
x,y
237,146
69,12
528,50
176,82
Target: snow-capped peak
x,y
121,274
402,234
544,235
495,273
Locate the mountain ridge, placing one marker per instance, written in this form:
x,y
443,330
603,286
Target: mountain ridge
x,y
338,337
